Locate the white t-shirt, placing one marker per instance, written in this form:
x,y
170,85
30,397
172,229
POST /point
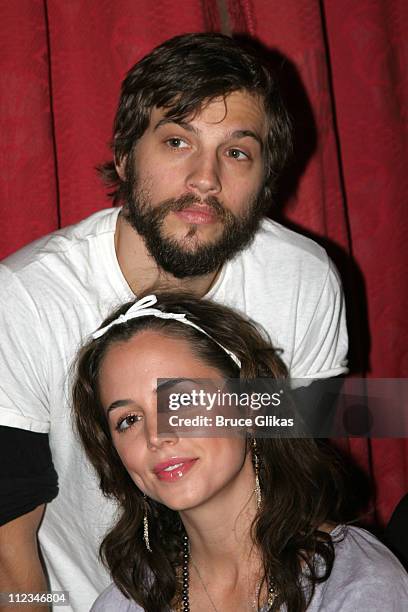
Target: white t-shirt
x,y
366,577
58,290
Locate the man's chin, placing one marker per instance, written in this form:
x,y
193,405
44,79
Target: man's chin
x,y
191,241
205,231
187,257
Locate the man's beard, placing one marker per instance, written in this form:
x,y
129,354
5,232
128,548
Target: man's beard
x,y
186,256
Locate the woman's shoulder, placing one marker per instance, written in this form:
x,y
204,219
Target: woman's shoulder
x,y
365,575
113,600
361,544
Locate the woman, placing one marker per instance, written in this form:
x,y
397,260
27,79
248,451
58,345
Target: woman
x,y
219,524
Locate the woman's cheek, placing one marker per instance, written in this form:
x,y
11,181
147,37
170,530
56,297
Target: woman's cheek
x,y
133,464
138,482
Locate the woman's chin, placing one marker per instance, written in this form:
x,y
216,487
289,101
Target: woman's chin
x,y
182,500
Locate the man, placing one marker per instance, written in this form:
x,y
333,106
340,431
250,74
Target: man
x,y
199,139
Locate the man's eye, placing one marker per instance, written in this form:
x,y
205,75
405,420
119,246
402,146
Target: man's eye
x,y
176,143
237,154
127,422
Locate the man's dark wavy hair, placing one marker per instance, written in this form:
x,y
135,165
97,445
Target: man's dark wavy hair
x,y
301,482
183,74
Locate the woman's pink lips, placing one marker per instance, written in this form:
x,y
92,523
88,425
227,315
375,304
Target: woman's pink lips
x,y
184,466
198,215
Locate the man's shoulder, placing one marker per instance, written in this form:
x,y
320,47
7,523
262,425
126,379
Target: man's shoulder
x,y
59,246
278,256
284,265
276,241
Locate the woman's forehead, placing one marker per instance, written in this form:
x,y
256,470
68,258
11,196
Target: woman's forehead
x,y
152,354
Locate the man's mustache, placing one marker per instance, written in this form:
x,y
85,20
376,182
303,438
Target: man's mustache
x,y
187,200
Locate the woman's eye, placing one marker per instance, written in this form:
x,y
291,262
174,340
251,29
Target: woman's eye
x,y
176,143
127,422
237,154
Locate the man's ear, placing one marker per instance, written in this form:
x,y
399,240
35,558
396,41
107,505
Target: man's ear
x,y
121,167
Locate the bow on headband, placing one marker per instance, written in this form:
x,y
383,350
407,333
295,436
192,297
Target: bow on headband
x,y
143,308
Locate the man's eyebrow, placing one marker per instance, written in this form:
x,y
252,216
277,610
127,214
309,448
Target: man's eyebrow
x,y
183,124
119,404
190,128
244,134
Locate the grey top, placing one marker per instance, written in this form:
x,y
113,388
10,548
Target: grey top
x,y
366,577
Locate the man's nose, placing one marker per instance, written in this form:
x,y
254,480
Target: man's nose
x,y
204,174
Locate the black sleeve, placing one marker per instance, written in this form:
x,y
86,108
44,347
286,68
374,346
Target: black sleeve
x,y
316,405
27,475
396,532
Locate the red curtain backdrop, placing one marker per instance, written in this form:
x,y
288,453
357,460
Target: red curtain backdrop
x,y
346,83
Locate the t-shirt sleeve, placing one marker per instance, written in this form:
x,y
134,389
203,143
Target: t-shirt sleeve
x,y
365,576
23,359
322,351
27,475
112,599
396,532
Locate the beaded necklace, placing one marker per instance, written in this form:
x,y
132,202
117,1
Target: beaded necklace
x,y
185,599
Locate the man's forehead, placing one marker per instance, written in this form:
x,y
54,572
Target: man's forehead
x,y
239,109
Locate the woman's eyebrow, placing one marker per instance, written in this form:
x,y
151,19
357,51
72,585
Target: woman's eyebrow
x,y
162,385
119,404
166,383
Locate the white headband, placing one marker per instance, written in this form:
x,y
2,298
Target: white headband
x,y
142,308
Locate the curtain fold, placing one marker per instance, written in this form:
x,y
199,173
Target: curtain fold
x,y
343,68
28,186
